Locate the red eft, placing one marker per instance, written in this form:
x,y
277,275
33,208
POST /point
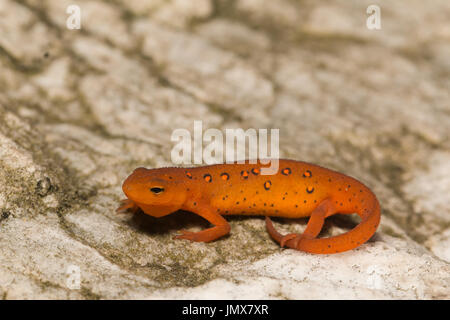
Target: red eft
x,y
298,189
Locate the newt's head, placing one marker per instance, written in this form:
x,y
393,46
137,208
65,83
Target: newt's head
x,y
154,191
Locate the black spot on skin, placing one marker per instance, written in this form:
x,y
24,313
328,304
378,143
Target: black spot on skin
x,y
244,174
307,174
237,202
195,203
310,189
286,171
225,176
207,177
255,171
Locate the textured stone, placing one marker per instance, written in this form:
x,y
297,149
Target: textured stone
x,y
80,109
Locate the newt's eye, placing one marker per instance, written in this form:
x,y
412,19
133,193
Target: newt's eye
x,y
157,190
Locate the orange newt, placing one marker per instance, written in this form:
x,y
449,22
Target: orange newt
x,y
298,189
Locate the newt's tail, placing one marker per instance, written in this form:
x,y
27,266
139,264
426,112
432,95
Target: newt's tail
x,y
370,219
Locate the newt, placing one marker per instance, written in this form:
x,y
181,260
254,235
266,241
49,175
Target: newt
x,y
298,189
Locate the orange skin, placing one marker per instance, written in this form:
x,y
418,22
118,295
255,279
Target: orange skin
x,y
298,189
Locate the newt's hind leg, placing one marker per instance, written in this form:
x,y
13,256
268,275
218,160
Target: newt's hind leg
x,y
315,224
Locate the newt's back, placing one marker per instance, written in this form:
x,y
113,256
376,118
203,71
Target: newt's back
x,y
294,191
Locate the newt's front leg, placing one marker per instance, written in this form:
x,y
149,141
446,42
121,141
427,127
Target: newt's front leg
x,y
126,205
221,226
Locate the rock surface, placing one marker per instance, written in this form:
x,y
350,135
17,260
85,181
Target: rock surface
x,y
80,109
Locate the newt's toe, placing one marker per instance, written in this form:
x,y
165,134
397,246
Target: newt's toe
x,y
287,237
187,235
127,204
